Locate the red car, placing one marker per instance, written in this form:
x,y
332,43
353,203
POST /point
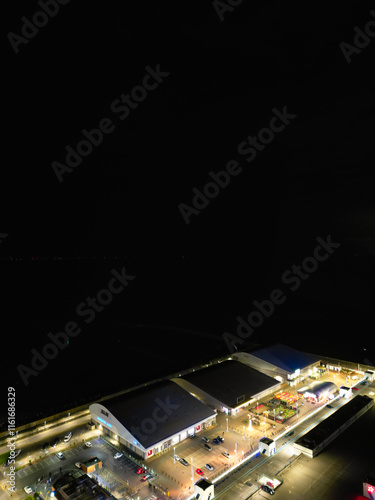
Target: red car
x,y
355,388
198,471
141,470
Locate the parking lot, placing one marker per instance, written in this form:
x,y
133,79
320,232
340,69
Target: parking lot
x,y
119,475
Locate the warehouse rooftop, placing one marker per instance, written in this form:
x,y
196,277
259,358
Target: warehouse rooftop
x,y
285,357
176,410
231,382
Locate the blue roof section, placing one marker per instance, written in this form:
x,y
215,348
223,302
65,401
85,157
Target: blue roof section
x,y
285,357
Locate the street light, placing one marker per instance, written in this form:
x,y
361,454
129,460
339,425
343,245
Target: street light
x,y
174,454
250,422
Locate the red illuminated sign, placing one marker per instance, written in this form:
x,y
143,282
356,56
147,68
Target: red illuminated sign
x,y
198,428
370,489
150,452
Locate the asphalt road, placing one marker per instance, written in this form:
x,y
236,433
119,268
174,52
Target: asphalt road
x,y
116,473
121,472
336,473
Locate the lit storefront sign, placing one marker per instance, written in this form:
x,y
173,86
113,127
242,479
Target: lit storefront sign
x,y
104,422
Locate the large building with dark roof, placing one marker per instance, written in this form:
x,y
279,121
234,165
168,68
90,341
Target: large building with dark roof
x,y
151,419
228,386
315,440
281,362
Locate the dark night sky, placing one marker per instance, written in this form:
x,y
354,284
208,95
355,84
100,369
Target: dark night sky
x,y
314,179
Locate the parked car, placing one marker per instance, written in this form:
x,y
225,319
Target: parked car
x,y
78,465
290,433
355,388
266,488
88,444
176,457
329,406
207,446
28,489
216,441
192,436
118,455
67,437
209,467
220,438
17,452
206,440
147,476
60,455
141,470
183,461
199,471
226,454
